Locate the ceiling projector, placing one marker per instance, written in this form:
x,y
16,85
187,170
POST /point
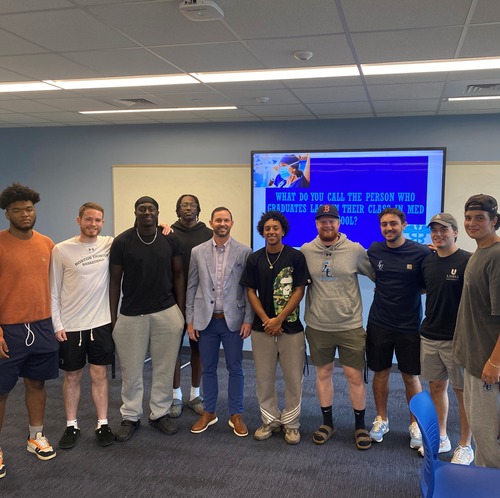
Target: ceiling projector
x,y
201,10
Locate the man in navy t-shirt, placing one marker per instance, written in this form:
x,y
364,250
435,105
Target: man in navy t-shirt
x,y
395,316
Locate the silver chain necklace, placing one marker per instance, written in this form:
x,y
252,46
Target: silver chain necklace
x,y
271,265
146,243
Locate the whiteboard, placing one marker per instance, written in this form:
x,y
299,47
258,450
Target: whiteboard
x,y
214,185
464,179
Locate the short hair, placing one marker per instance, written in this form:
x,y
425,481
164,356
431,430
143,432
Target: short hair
x,y
394,211
17,192
179,202
221,208
497,216
90,205
273,215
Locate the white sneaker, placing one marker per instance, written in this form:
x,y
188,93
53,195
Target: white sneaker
x,y
379,428
444,446
415,436
463,455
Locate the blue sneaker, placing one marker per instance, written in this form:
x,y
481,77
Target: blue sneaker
x,y
379,428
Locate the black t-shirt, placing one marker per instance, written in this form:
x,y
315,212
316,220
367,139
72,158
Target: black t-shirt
x,y
189,238
444,280
274,286
147,284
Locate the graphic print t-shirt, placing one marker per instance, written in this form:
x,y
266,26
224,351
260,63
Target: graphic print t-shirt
x,y
275,285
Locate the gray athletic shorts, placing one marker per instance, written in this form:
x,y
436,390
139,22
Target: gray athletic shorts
x,y
351,345
437,363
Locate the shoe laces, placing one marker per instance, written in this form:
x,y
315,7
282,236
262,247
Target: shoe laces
x,y
378,423
41,441
462,452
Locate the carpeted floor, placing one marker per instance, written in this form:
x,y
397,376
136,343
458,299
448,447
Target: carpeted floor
x,y
215,463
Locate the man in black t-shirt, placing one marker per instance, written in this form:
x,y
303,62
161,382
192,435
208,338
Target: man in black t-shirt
x,y
443,273
275,278
148,266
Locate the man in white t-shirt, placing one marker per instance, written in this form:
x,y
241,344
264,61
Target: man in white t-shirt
x,y
79,282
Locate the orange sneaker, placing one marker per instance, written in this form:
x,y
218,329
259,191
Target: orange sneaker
x,y
40,447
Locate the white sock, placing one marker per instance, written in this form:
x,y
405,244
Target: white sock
x,y
195,392
178,393
101,422
72,423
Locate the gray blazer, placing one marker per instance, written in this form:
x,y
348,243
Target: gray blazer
x,y
200,294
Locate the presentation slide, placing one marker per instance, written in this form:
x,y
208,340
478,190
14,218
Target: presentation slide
x,y
361,183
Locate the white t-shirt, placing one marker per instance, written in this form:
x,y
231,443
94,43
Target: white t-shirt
x,y
79,284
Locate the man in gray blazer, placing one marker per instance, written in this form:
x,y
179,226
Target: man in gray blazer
x,y
218,311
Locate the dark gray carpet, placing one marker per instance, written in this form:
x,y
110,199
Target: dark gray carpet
x,y
215,463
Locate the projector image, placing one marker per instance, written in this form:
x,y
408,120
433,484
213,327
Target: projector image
x,y
201,10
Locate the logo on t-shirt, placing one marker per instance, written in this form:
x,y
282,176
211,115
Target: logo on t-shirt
x,y
282,291
380,265
453,275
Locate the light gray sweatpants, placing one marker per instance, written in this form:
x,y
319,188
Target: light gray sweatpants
x,y
133,335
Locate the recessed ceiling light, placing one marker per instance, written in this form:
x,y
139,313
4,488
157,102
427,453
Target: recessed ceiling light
x,y
277,74
482,97
167,109
134,81
431,66
32,86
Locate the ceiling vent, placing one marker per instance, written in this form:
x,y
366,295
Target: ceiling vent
x,y
132,102
483,89
201,10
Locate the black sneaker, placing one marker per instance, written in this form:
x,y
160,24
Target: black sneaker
x,y
127,428
104,435
165,424
69,438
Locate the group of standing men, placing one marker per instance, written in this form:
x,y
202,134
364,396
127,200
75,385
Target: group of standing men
x,y
226,293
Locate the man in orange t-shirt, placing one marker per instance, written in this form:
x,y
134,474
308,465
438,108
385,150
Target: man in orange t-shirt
x,y
28,347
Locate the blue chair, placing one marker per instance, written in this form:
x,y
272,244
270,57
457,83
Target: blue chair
x,y
445,479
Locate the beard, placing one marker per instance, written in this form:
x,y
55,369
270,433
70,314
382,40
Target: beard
x,y
23,228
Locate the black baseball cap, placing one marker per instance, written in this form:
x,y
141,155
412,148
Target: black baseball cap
x,y
327,210
482,202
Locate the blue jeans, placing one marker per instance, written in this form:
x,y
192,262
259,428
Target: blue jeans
x,y
210,339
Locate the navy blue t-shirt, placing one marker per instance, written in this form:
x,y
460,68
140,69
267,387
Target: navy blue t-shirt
x,y
399,282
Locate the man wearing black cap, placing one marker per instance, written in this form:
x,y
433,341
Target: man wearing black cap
x,y
443,272
476,344
149,268
333,315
